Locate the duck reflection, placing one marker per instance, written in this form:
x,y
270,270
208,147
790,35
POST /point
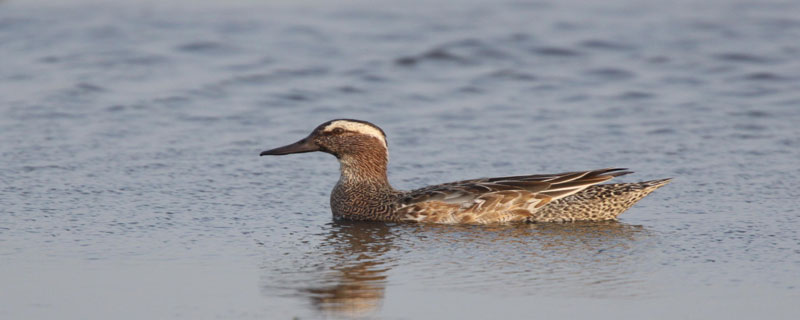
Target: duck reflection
x,y
355,277
347,273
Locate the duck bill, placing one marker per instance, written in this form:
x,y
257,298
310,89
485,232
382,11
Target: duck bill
x,y
305,145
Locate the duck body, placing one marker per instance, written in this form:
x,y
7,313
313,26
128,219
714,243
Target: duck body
x,y
363,191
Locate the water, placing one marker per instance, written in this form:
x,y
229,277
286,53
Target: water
x,y
132,187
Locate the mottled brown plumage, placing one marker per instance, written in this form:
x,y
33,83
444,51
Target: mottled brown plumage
x,y
364,193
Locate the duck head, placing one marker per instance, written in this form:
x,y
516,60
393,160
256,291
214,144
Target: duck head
x,y
342,138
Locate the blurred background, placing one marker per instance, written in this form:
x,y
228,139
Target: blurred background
x,y
131,187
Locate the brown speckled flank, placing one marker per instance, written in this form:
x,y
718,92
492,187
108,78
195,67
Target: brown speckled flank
x,y
364,193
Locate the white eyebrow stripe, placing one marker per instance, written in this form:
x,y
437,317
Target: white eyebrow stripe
x,y
358,127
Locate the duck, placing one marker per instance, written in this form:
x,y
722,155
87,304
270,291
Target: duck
x,y
363,192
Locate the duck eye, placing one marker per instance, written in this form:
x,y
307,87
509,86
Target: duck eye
x,y
338,130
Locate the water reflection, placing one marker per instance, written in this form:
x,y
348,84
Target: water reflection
x,y
355,280
347,273
344,272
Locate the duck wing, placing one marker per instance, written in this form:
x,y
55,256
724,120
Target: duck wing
x,y
501,199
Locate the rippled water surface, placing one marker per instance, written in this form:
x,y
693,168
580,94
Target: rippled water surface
x,y
131,186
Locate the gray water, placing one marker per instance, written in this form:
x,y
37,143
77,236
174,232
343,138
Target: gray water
x,y
131,186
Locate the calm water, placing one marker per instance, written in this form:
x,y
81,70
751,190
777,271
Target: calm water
x,y
131,186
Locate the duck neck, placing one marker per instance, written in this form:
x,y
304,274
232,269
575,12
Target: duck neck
x,y
363,191
365,170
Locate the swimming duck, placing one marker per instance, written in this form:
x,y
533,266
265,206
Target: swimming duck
x,y
364,193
